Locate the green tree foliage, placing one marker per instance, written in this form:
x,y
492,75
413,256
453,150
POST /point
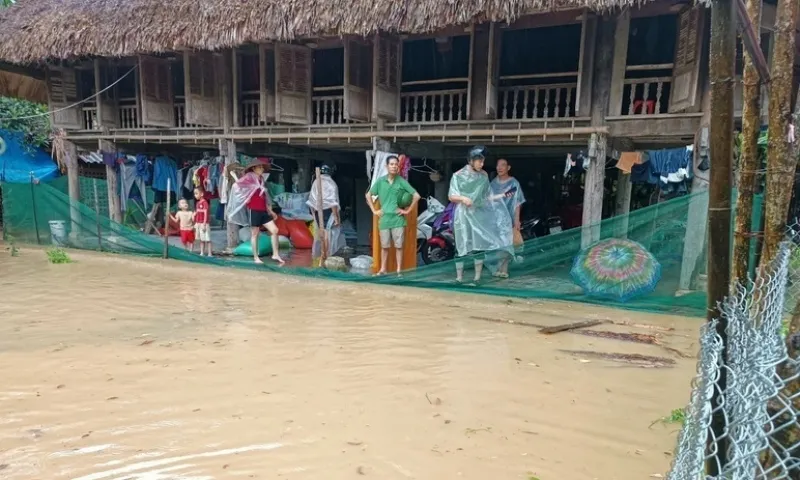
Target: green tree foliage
x,y
25,117
28,118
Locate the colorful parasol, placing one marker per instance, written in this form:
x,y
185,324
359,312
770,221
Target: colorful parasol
x,y
617,269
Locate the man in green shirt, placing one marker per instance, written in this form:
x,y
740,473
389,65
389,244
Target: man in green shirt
x,y
392,223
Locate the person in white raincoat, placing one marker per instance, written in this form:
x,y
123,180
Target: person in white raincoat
x,y
481,222
249,204
331,213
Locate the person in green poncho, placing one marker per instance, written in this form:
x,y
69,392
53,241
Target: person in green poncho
x,y
392,223
481,223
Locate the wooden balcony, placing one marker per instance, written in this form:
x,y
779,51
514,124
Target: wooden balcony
x,y
434,106
646,96
128,117
538,102
328,110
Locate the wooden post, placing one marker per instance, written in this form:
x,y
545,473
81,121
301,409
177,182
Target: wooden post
x,y
321,224
622,205
595,175
721,77
112,182
97,215
748,160
227,149
166,218
74,187
225,75
620,62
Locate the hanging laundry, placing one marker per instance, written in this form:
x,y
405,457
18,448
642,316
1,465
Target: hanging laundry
x,y
143,168
628,159
128,179
165,169
110,158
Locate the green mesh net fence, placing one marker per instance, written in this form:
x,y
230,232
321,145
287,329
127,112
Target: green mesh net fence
x,y
672,231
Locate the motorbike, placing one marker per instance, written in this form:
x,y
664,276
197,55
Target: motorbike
x,y
534,227
425,221
441,245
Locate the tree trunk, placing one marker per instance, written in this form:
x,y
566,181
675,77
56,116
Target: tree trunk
x,y
780,162
749,160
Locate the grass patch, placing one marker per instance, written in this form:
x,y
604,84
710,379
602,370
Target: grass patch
x,y
58,256
12,246
676,417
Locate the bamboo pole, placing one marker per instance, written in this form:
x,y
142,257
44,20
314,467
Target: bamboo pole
x,y
166,220
749,161
721,76
97,215
321,225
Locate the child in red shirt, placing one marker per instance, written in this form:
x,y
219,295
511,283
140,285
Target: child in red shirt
x,y
202,222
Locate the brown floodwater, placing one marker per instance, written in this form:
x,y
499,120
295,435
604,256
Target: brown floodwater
x,y
125,368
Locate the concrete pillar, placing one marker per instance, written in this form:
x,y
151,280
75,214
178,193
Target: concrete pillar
x,y
112,183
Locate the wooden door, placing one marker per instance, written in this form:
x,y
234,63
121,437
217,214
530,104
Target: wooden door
x,y
155,91
387,58
266,83
688,52
105,74
357,79
201,89
493,70
293,85
62,90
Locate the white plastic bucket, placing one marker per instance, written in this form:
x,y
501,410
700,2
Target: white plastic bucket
x,y
58,232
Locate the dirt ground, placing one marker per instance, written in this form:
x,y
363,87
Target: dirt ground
x,y
122,368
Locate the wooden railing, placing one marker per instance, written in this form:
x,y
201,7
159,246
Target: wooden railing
x,y
129,116
90,118
433,106
646,96
180,114
328,110
531,102
249,115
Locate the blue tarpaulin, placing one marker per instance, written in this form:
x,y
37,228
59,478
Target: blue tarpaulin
x,y
18,161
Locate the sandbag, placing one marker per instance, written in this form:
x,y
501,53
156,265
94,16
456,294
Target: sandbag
x,y
245,249
244,234
300,235
283,226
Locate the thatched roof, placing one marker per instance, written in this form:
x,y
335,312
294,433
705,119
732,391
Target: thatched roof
x,y
37,30
21,86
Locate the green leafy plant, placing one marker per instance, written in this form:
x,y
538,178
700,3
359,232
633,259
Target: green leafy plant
x,y
58,256
28,119
12,246
676,417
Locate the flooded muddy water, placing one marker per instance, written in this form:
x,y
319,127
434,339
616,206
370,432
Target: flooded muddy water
x,y
121,368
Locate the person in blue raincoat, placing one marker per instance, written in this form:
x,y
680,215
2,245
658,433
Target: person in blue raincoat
x,y
513,198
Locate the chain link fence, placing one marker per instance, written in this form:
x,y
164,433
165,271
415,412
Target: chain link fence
x,y
761,400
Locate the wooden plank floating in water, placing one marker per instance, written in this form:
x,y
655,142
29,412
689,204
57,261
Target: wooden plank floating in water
x,y
645,361
570,326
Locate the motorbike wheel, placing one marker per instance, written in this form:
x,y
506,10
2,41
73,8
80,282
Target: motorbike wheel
x,y
421,244
433,254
